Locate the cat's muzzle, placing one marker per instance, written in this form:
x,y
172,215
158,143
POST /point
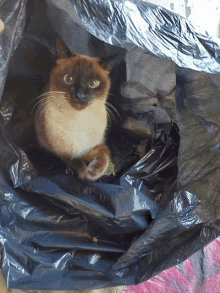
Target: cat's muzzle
x,y
79,96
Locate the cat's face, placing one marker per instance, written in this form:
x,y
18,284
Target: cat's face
x,y
83,79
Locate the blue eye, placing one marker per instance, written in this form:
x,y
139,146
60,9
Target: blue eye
x,y
68,79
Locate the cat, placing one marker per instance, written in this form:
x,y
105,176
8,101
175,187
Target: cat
x,y
71,117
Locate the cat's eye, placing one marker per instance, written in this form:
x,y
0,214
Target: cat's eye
x,y
94,83
68,79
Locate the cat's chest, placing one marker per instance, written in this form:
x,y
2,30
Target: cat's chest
x,y
76,132
86,125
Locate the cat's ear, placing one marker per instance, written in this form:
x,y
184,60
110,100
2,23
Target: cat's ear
x,y
108,62
62,51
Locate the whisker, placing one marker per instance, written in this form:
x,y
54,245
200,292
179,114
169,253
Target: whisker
x,y
47,93
38,109
38,103
111,114
46,99
113,119
40,106
52,96
109,119
36,106
110,105
112,95
52,102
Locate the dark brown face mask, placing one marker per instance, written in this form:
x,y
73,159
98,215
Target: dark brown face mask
x,y
82,78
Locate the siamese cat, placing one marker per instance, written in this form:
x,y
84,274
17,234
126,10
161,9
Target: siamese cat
x,y
71,116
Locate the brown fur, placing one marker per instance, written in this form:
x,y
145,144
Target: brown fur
x,y
75,131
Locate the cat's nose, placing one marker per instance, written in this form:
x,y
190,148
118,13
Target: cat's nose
x,y
78,94
81,95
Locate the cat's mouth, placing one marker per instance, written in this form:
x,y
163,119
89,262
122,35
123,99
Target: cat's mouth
x,y
79,102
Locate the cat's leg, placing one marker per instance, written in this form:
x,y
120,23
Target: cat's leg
x,y
98,161
91,166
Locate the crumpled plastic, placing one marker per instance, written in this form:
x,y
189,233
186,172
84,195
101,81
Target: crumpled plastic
x,y
60,233
154,29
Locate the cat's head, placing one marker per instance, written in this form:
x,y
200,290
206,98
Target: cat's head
x,y
82,78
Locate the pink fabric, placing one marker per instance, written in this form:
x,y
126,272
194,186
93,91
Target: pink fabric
x,y
198,274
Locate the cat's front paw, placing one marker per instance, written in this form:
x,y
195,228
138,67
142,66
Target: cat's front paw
x,y
95,169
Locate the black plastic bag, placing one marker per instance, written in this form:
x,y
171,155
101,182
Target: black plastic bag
x,y
59,233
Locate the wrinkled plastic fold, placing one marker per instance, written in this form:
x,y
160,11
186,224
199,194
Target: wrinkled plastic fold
x,y
154,29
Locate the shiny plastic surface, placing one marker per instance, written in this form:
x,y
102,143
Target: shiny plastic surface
x,y
60,233
154,29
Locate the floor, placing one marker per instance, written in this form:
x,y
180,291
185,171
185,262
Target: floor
x,y
200,13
